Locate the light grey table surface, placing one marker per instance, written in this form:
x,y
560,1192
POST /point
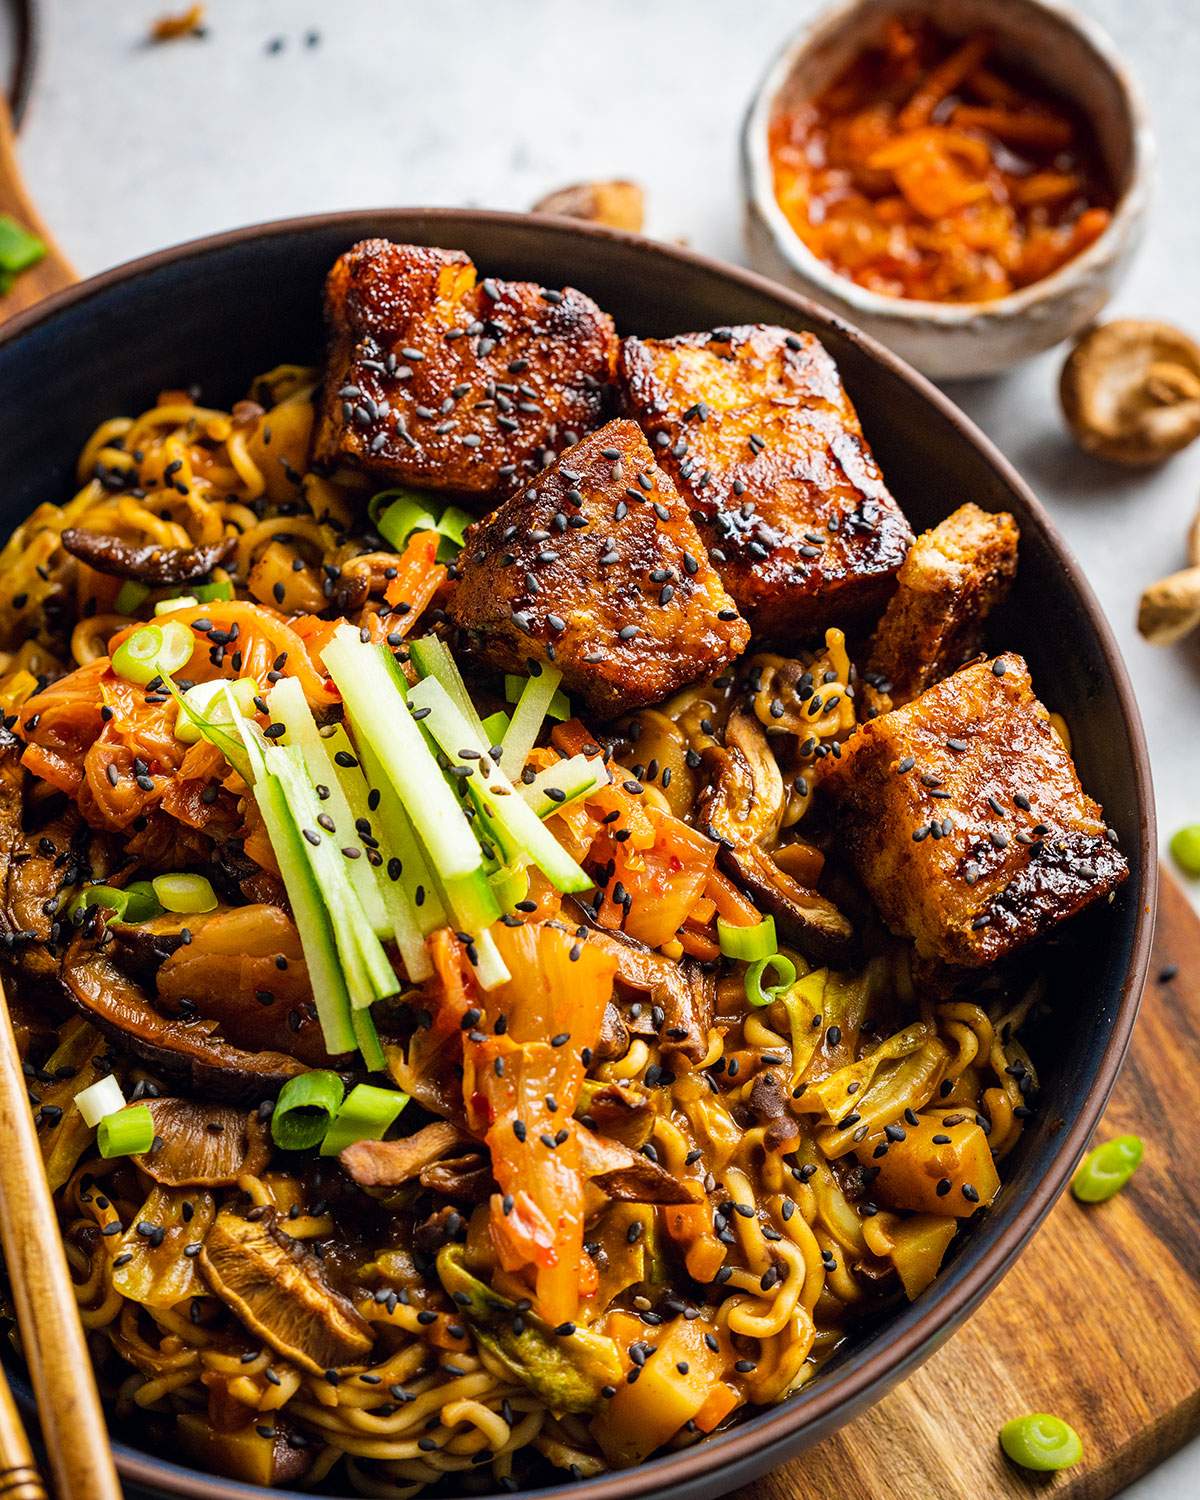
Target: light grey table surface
x,y
129,147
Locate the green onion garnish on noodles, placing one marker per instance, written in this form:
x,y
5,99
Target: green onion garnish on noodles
x,y
306,1107
102,1098
154,651
748,943
141,904
129,1132
365,1116
187,894
780,967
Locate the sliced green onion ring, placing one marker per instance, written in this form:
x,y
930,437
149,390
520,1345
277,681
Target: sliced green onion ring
x,y
181,601
186,894
777,964
154,651
129,1132
102,1098
102,895
141,904
306,1107
748,943
365,1116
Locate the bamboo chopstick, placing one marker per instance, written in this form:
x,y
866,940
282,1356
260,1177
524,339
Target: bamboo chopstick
x,y
19,1478
72,1423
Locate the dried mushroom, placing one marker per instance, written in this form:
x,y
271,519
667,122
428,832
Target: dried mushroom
x,y
1130,391
147,564
618,204
277,1289
1170,608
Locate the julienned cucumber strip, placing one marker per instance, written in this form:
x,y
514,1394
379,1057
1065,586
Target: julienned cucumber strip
x,y
432,658
312,921
558,708
573,778
369,975
400,838
527,719
368,1040
403,876
495,792
290,707
374,694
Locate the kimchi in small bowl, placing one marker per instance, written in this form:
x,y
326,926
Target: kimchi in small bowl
x,y
965,179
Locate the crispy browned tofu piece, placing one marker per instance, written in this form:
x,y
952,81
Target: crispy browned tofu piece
x,y
598,568
951,580
436,380
965,818
758,433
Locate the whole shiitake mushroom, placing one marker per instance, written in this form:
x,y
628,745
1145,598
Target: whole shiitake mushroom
x,y
1130,391
620,205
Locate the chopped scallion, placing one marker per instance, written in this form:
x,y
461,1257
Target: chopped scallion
x,y
131,596
187,894
306,1107
102,1098
780,967
365,1116
128,1132
154,651
748,943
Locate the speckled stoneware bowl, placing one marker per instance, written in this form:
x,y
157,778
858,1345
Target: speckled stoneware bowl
x,y
1052,43
221,309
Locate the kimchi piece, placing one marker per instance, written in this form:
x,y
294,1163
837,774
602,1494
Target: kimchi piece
x,y
927,169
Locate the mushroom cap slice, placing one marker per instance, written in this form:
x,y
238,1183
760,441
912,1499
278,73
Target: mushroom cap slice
x,y
277,1289
203,1145
185,1050
1130,391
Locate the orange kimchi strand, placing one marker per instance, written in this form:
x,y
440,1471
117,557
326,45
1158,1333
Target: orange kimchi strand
x,y
524,1065
927,170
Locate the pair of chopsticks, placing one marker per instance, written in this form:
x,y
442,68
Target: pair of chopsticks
x,y
72,1423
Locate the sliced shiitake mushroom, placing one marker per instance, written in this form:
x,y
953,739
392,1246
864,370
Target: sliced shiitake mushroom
x,y
277,1288
203,1145
617,203
743,808
682,990
390,1163
1130,391
625,1175
185,1050
150,563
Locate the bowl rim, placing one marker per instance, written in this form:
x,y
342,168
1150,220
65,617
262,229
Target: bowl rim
x,y
769,1434
759,187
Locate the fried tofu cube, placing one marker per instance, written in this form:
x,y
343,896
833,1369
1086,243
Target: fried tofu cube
x,y
438,380
597,567
756,429
965,819
951,580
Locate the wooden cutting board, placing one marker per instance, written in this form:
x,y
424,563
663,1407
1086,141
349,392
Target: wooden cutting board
x,y
1098,1322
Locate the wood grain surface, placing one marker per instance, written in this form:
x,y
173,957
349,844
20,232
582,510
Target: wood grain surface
x,y
54,271
1098,1322
51,1334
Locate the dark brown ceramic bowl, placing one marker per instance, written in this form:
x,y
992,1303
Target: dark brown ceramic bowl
x,y
221,309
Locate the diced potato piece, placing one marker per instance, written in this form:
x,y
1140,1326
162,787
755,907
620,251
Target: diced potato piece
x,y
914,1245
938,1168
643,1416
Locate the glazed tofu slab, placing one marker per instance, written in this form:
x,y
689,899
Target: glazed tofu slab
x,y
951,580
598,568
757,431
437,380
965,819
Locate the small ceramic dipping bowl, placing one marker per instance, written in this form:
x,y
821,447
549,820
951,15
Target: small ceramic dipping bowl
x,y
1043,39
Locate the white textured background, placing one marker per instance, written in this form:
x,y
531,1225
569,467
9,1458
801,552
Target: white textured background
x,y
492,102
